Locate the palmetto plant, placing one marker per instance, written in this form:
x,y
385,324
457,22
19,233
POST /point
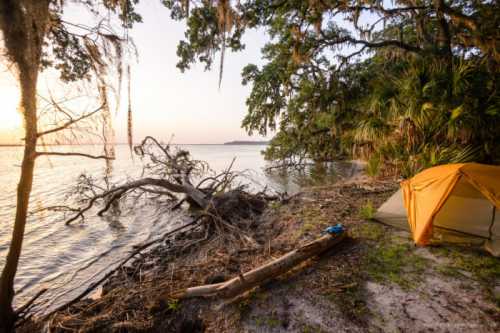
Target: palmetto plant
x,y
411,120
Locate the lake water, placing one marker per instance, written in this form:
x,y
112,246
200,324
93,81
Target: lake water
x,y
66,259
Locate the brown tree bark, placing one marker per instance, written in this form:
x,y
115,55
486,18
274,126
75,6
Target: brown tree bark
x,y
28,103
23,24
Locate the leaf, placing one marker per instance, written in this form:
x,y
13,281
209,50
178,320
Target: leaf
x,y
427,106
456,112
493,110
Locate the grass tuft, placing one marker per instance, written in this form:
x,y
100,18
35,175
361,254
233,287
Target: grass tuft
x,y
367,211
484,267
396,263
373,166
368,230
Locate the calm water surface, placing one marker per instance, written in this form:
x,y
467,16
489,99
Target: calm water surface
x,y
66,259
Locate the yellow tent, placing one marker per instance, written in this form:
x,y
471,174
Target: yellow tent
x,y
453,202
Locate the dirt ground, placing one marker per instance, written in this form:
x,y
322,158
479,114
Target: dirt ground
x,y
374,281
378,281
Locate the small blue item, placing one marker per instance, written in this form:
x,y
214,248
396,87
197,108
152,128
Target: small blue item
x,y
335,229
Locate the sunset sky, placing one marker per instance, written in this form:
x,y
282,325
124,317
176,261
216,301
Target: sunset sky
x,y
190,106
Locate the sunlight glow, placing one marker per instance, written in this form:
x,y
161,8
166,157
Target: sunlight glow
x,y
10,118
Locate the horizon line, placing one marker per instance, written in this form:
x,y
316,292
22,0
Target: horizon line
x,y
228,143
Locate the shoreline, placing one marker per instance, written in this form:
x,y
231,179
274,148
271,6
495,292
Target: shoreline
x,y
374,279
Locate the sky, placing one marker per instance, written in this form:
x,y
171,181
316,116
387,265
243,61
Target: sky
x,y
165,101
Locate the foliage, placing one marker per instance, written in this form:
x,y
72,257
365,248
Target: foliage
x,y
77,50
370,231
415,83
373,166
173,305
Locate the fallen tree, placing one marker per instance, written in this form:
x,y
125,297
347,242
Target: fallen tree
x,y
171,173
218,204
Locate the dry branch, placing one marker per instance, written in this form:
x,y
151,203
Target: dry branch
x,y
69,123
257,276
137,249
170,172
27,305
53,153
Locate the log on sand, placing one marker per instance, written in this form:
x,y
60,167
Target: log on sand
x,y
255,277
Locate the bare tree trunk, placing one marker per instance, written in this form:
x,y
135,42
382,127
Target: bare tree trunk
x,y
28,103
24,25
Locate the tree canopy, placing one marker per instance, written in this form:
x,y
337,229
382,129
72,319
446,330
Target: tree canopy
x,y
414,83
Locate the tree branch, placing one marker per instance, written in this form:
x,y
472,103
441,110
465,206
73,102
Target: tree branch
x,y
193,193
459,17
69,123
53,153
387,11
137,249
385,43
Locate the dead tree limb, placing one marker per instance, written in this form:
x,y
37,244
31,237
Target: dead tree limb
x,y
54,153
69,123
137,249
28,304
116,192
174,174
255,277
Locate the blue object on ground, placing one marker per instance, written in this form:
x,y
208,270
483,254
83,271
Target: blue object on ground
x,y
335,229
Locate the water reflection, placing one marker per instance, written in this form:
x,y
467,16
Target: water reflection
x,y
291,180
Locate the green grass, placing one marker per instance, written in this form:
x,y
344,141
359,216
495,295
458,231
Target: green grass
x,y
483,267
173,305
269,321
396,263
308,328
306,227
273,322
313,219
367,211
255,295
275,205
368,230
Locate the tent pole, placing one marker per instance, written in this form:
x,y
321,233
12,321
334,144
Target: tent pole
x,y
490,233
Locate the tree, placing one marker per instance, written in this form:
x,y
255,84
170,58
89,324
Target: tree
x,y
35,37
354,77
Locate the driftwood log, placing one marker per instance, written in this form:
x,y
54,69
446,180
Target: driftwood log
x,y
257,276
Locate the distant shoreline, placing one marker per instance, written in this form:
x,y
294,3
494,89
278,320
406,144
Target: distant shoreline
x,y
241,143
231,143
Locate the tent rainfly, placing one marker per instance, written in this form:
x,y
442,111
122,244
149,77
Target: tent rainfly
x,y
449,203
